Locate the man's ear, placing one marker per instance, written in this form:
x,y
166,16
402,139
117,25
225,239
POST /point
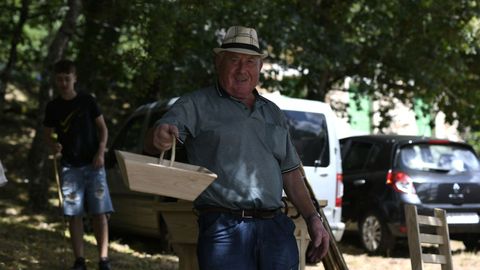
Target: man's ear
x,y
218,59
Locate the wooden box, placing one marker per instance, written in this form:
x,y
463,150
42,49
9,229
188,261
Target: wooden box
x,y
163,177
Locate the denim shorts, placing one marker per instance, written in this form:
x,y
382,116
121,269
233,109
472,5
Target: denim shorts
x,y
85,189
235,243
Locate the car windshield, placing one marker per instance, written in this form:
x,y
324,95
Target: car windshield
x,y
310,137
439,157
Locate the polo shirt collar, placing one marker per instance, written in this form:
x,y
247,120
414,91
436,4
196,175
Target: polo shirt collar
x,y
222,93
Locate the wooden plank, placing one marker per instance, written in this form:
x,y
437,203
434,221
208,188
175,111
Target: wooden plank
x,y
181,222
444,249
431,239
144,174
428,220
188,256
440,239
302,237
145,220
413,232
434,258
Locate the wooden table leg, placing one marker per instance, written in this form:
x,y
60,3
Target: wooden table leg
x,y
187,256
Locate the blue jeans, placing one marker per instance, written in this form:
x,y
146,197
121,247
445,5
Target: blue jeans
x,y
85,186
234,243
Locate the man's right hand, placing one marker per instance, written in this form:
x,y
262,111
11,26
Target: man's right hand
x,y
160,138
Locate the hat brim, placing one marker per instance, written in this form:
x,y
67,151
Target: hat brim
x,y
240,50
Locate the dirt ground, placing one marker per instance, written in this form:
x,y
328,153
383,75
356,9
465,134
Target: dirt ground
x,y
39,243
356,259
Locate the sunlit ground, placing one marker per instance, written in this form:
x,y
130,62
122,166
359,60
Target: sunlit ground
x,y
33,241
30,241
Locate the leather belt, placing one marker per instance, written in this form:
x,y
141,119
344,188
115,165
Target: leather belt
x,y
242,213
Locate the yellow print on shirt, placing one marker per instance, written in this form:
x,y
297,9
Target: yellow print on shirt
x,y
65,124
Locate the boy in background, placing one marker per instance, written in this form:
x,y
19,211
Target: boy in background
x,y
82,137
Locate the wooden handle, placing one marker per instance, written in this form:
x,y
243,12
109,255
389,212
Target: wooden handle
x,y
172,156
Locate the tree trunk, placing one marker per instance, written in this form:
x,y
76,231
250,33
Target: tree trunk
x,y
12,57
37,157
318,86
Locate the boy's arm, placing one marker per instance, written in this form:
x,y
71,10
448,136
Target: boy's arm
x,y
54,146
102,144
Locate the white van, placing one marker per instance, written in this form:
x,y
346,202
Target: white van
x,y
313,132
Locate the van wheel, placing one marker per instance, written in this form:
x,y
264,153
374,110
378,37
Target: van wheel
x,y
375,235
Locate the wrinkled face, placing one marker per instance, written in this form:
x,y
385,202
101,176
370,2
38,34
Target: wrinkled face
x,y
238,73
65,82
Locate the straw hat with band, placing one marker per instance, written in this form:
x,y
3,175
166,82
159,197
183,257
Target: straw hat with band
x,y
241,39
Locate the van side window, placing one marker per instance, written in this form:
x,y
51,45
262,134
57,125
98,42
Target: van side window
x,y
357,155
310,137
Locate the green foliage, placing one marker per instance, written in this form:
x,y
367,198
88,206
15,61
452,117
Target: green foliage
x,y
43,20
132,52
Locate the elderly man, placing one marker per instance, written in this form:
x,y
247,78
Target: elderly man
x,y
242,137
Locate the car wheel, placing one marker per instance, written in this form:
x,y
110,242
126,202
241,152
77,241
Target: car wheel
x,y
375,235
472,244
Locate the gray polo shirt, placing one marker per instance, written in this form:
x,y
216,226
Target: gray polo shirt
x,y
248,149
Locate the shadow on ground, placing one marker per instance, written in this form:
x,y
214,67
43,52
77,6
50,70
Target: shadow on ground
x,y
39,241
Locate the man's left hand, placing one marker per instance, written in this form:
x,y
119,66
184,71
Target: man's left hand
x,y
319,239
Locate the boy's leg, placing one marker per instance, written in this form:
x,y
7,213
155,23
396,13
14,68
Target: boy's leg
x,y
99,205
73,186
100,229
76,234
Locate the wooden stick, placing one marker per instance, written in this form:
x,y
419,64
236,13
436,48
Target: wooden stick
x,y
57,180
334,259
172,156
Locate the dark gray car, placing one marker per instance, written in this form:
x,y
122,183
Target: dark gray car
x,y
137,212
382,173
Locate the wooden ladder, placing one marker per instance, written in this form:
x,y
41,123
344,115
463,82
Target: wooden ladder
x,y
420,237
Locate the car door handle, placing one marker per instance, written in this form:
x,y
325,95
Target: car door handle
x,y
359,182
324,174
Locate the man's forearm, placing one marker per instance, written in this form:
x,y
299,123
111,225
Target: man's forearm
x,y
298,194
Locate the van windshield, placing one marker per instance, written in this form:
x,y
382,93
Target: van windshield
x,y
442,158
310,136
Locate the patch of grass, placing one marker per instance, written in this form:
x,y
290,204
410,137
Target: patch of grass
x,y
40,241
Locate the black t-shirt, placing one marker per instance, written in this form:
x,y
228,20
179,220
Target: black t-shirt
x,y
74,123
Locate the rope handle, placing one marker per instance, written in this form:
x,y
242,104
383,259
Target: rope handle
x,y
172,156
